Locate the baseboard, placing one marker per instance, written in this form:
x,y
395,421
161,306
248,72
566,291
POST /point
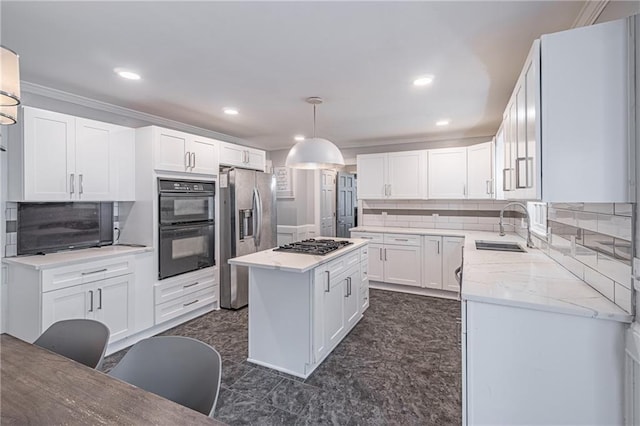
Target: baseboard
x,y
443,294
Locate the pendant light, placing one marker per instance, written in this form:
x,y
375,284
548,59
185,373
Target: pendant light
x,y
314,153
9,86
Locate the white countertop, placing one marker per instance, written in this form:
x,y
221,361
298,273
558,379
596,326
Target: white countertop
x,y
528,280
293,262
54,260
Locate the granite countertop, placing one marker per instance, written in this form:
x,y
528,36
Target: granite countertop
x,y
293,262
54,260
528,280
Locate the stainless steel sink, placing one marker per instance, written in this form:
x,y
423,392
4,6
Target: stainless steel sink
x,y
499,246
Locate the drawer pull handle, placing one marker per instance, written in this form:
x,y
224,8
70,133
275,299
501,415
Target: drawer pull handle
x,y
190,303
191,285
95,272
401,239
367,238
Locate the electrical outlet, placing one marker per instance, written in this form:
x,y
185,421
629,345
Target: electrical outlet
x,y
435,215
384,214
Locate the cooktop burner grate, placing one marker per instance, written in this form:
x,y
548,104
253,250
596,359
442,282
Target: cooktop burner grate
x,y
313,246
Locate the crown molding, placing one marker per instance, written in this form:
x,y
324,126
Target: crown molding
x,y
590,11
71,98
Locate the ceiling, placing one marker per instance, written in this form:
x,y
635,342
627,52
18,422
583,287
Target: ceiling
x,y
265,58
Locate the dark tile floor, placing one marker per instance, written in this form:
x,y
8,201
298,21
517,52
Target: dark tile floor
x,y
399,366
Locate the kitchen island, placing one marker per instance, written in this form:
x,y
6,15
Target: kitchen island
x,y
301,306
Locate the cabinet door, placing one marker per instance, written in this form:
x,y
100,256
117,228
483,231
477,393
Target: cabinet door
x,y
123,160
114,305
256,159
321,281
402,265
532,132
447,172
334,314
480,171
508,170
204,156
232,155
372,176
352,298
96,178
433,248
75,302
499,158
171,153
49,156
406,175
452,258
376,262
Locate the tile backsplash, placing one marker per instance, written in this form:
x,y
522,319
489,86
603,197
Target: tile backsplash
x,y
594,242
459,214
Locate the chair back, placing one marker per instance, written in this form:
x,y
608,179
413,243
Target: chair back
x,y
82,340
182,369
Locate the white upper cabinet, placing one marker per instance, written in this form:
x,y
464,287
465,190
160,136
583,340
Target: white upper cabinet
x,y
242,156
184,153
480,179
587,123
405,174
447,171
521,133
372,176
58,157
396,175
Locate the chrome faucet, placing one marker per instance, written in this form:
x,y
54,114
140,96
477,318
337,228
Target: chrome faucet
x,y
516,203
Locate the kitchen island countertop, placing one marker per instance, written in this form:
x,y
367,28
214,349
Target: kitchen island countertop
x,y
293,262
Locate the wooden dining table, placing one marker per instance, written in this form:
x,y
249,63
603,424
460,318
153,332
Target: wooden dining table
x,y
39,387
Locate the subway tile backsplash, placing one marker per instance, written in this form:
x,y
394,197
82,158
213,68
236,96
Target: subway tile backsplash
x,y
593,241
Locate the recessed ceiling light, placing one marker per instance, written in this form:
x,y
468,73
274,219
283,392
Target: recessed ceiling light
x,y
423,81
442,123
129,75
230,111
298,138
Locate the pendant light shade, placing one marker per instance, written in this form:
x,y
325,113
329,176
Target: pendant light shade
x,y
8,115
314,153
9,77
9,86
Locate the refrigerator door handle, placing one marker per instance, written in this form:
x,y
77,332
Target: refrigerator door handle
x,y
257,216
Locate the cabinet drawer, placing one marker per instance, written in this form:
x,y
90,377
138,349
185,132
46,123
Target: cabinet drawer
x,y
364,253
364,271
402,239
341,264
165,292
67,276
187,303
373,237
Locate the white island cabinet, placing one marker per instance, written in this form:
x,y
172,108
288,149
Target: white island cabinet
x,y
301,306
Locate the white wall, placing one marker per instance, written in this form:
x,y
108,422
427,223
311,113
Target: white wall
x,y
618,9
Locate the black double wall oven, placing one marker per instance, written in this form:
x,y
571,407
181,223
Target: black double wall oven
x,y
186,226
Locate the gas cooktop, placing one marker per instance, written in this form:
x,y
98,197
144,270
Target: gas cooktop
x,y
313,246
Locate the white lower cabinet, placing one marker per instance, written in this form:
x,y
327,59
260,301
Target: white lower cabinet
x,y
532,367
394,258
296,337
442,255
427,261
107,301
100,290
177,296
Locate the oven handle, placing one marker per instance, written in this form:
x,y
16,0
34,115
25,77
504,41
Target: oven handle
x,y
185,227
257,217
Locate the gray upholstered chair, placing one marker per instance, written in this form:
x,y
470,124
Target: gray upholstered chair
x,y
82,340
182,369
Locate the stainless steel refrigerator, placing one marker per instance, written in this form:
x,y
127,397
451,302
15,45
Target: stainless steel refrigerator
x,y
247,225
